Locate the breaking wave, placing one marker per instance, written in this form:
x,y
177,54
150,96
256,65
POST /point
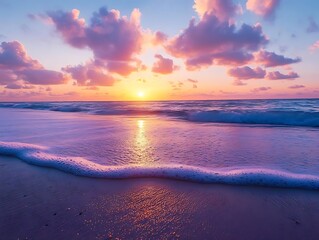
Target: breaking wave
x,y
289,113
36,155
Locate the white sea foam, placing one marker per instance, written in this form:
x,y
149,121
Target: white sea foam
x,y
34,154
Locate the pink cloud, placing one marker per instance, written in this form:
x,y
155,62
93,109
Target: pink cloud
x,y
7,76
279,76
246,72
314,46
163,65
192,80
297,86
271,59
90,75
211,41
261,89
112,38
222,9
265,8
122,68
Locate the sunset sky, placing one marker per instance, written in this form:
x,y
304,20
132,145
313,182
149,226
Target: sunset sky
x,y
158,49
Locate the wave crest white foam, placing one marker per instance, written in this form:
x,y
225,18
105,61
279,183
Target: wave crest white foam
x,y
271,112
291,118
36,155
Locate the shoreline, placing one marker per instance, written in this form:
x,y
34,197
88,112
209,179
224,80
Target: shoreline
x,y
37,203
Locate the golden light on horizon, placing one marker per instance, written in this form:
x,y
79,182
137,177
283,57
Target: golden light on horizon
x,y
141,94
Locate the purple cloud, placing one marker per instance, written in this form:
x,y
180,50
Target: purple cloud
x,y
42,77
112,38
211,41
159,38
261,89
16,65
279,76
246,72
271,59
16,85
13,56
297,86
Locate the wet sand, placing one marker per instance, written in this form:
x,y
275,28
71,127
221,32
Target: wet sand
x,y
43,203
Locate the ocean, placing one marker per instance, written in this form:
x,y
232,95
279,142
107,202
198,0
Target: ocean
x,y
273,143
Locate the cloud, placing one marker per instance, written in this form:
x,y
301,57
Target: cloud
x,y
264,8
211,41
314,46
122,67
93,88
90,75
176,86
163,65
260,89
222,9
40,17
159,38
238,82
271,59
13,56
7,76
279,76
192,80
313,26
246,72
296,86
17,65
16,85
42,77
114,40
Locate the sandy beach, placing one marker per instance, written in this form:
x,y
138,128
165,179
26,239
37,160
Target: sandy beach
x,y
43,203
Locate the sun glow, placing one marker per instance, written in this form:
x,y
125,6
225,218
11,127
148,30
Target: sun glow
x,y
140,94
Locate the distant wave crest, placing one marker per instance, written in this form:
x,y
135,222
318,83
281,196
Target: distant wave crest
x,y
34,154
291,118
190,112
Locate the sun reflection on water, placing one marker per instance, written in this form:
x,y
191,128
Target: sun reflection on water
x,y
142,144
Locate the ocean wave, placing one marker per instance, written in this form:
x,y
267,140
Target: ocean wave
x,y
36,155
291,118
188,111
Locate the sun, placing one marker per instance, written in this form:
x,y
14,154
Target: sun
x,y
140,94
